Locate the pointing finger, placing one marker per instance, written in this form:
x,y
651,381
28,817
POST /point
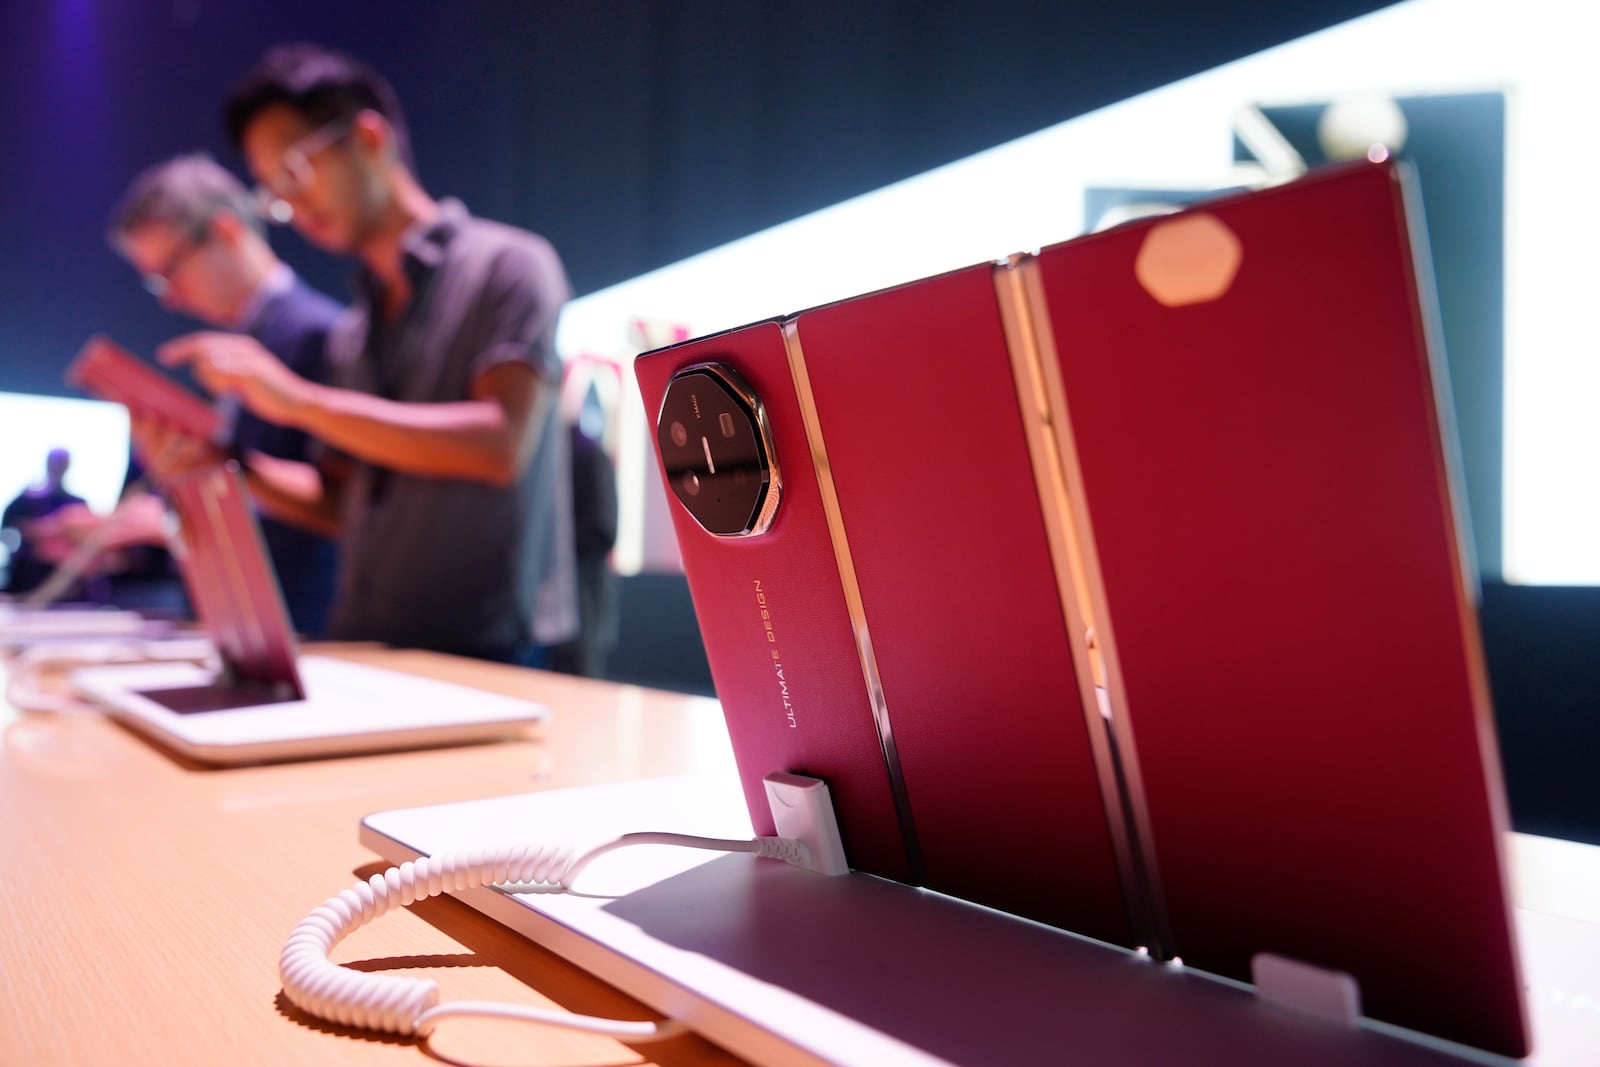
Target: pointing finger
x,y
180,351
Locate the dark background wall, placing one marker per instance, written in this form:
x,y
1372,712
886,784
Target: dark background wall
x,y
634,133
630,132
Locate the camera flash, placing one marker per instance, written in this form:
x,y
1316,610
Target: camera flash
x,y
725,420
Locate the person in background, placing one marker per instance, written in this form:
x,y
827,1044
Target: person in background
x,y
594,507
454,508
195,234
27,568
120,557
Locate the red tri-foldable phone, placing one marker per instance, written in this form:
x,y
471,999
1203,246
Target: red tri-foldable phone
x,y
1123,586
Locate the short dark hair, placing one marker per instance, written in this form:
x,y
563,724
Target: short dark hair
x,y
185,193
318,84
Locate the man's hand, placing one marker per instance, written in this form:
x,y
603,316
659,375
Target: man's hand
x,y
55,536
138,520
169,453
230,364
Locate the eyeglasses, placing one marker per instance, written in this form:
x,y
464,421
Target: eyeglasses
x,y
294,170
159,281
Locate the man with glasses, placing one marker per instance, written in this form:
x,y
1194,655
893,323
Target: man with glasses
x,y
455,510
195,234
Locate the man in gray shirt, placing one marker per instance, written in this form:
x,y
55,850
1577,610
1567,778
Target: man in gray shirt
x,y
446,473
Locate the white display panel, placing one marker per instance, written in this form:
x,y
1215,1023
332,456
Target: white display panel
x,y
1029,193
96,433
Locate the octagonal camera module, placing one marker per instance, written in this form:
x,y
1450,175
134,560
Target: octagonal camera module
x,y
717,451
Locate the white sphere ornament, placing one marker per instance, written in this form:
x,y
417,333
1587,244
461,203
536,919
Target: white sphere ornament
x,y
1351,127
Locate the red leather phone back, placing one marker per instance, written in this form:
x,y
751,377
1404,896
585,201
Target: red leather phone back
x,y
1291,638
773,618
920,416
924,635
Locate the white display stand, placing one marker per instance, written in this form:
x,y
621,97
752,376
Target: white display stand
x,y
783,966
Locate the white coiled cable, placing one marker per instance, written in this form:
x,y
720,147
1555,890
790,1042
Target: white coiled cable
x,y
410,1006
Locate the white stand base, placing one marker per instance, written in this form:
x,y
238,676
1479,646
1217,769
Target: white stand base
x,y
1332,996
783,966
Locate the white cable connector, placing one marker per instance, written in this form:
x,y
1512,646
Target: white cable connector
x,y
802,810
808,837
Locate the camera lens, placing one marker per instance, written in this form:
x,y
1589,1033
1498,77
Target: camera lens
x,y
716,452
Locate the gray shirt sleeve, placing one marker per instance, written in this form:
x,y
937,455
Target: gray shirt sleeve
x,y
522,298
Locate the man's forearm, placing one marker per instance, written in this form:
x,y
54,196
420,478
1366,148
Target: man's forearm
x,y
488,436
476,439
293,492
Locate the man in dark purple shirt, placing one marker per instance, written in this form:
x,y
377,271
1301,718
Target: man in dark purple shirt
x,y
195,234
